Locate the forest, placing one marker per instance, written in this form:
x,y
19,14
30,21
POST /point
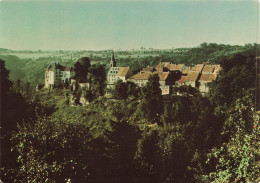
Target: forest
x,y
136,135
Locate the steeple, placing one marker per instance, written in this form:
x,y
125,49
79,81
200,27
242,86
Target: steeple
x,y
113,61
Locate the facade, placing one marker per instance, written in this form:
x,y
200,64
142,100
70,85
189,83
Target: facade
x,y
166,80
192,78
198,76
204,81
140,79
58,74
117,73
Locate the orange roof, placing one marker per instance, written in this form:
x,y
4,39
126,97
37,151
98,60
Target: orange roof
x,y
207,77
163,75
123,71
208,68
148,69
197,68
192,76
186,70
160,66
217,70
141,76
175,66
182,80
145,75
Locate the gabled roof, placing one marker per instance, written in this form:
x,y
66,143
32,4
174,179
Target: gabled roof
x,y
123,71
169,66
145,75
148,69
175,66
217,70
114,71
186,70
182,79
192,76
208,68
60,67
141,76
207,77
160,66
197,68
163,75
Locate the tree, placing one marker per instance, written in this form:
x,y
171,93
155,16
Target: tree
x,y
238,70
98,78
5,82
235,160
17,86
124,90
151,99
13,110
81,69
120,90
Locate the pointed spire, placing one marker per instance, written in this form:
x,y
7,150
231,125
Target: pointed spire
x,y
113,61
113,57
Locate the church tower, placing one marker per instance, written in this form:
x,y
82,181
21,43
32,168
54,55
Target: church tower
x,y
113,61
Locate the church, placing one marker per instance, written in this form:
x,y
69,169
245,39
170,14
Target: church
x,y
117,73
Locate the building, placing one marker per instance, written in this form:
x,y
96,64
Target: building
x,y
192,78
58,74
140,79
166,80
117,73
181,81
167,66
204,81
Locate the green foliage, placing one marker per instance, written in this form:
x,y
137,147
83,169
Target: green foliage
x,y
98,79
238,74
123,90
138,136
236,159
79,144
151,99
81,68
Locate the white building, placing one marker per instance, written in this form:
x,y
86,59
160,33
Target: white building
x,y
58,74
117,73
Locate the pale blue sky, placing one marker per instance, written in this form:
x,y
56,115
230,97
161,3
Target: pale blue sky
x,y
114,24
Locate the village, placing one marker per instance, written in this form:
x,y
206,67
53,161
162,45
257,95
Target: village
x,y
170,75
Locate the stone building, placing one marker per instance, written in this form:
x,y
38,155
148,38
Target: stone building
x,y
58,74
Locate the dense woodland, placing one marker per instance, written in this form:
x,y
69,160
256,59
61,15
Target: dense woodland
x,y
136,135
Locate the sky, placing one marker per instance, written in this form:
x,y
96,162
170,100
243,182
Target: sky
x,y
125,24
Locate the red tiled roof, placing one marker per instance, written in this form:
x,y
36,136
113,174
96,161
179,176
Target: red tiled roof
x,y
182,79
148,69
217,70
175,66
197,68
163,75
192,76
141,76
160,66
145,75
208,68
123,71
207,77
186,70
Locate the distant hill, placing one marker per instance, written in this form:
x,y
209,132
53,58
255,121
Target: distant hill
x,y
30,65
